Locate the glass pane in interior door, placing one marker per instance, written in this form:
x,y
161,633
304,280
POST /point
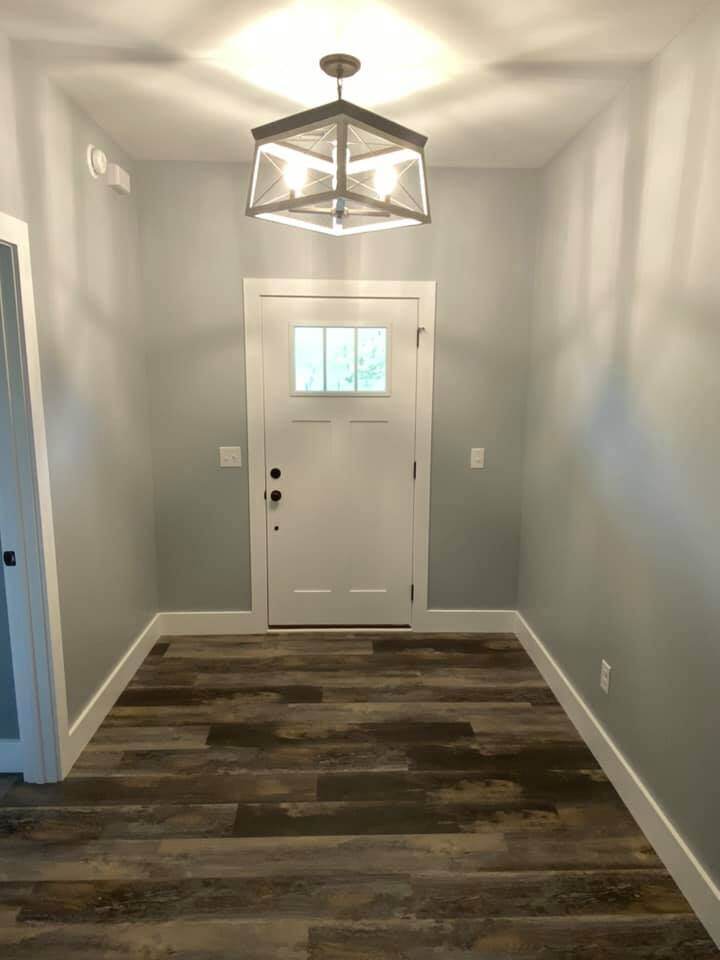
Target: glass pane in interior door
x,y
340,358
309,360
372,359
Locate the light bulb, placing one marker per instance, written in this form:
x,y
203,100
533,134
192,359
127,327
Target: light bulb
x,y
295,175
386,178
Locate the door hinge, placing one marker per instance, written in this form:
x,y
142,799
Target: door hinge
x,y
412,592
418,337
264,494
414,469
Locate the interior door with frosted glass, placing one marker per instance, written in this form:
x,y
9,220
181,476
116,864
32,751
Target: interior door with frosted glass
x,y
339,382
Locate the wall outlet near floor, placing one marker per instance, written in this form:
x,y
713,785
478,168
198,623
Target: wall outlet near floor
x,y
477,458
230,457
605,670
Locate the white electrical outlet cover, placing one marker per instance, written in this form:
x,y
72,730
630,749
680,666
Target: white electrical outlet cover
x,y
477,458
605,670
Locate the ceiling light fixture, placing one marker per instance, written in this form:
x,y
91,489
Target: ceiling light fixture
x,y
339,169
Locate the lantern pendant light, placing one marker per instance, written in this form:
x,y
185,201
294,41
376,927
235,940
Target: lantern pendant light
x,y
339,169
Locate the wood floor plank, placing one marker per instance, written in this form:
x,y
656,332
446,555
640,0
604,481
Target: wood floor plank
x,y
259,712
646,938
424,691
322,671
548,893
287,657
298,897
378,818
249,648
261,856
396,731
309,756
132,790
448,642
277,856
196,697
72,824
489,786
179,940
151,737
354,898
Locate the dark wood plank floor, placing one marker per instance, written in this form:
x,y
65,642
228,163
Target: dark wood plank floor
x,y
320,796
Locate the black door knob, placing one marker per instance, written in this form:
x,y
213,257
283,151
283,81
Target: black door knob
x,y
275,473
9,558
275,496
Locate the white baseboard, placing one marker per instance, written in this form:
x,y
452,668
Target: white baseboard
x,y
83,729
11,756
464,621
206,623
687,871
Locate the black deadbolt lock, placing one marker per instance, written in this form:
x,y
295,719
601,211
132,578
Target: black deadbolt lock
x,y
275,473
275,496
9,558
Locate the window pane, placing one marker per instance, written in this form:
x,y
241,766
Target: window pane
x,y
340,358
372,359
308,359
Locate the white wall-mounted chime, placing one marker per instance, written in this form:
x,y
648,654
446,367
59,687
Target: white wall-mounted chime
x,y
116,177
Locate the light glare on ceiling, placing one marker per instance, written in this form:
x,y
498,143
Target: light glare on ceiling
x,y
278,52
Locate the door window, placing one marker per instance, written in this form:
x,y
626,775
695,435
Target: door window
x,y
340,360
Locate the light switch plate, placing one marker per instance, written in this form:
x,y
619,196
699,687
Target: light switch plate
x,y
230,457
477,458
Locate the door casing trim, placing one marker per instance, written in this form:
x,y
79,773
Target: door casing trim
x,y
424,292
32,593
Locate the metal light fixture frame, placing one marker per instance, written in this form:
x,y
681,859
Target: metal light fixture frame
x,y
344,200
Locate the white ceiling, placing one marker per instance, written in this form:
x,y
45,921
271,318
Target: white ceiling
x,y
492,82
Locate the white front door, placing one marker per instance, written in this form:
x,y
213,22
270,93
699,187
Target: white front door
x,y
339,390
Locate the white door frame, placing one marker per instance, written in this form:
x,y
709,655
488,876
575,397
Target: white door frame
x,y
424,292
31,586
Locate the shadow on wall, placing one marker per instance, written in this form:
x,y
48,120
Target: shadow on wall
x,y
621,551
84,243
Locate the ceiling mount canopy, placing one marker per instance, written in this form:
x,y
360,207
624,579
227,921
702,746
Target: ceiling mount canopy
x,y
339,169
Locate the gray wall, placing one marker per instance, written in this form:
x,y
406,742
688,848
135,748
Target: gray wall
x,y
621,529
11,191
197,245
84,249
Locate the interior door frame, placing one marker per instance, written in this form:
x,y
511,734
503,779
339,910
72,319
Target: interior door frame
x,y
424,292
32,590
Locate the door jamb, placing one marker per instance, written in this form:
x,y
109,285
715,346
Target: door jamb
x,y
424,292
33,596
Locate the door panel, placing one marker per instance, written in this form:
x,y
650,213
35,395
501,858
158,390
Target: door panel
x,y
340,539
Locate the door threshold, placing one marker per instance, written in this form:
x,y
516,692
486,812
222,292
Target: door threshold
x,y
340,627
